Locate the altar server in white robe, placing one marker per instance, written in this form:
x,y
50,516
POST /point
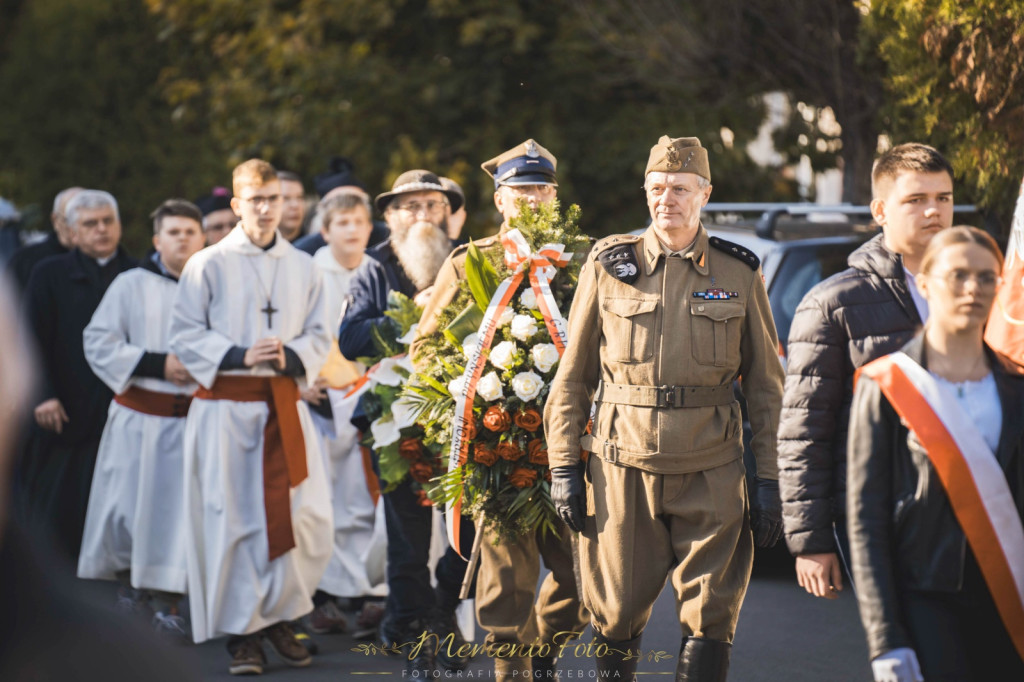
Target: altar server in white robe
x,y
250,325
135,523
345,224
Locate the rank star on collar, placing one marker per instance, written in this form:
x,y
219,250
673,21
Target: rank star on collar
x,y
715,294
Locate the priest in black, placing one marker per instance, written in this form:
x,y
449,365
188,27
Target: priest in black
x,y
58,242
56,467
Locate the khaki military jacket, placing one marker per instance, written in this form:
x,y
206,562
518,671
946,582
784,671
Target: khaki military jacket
x,y
627,339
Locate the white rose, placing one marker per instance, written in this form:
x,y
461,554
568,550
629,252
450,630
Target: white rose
x,y
523,327
545,355
385,432
470,344
457,386
506,316
527,385
528,298
503,356
489,387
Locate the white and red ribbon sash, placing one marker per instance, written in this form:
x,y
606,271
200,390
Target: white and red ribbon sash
x,y
540,267
971,476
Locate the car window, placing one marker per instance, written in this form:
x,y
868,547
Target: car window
x,y
799,269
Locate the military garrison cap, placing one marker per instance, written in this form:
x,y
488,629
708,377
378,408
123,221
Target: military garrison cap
x,y
526,164
679,155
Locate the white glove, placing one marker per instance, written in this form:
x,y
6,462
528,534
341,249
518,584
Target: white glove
x,y
897,665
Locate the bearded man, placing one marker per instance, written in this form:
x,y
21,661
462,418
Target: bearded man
x,y
416,210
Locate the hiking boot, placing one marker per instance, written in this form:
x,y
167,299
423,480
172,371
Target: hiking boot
x,y
281,638
326,619
447,657
248,657
170,627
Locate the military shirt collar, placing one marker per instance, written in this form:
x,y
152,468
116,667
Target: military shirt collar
x,y
697,252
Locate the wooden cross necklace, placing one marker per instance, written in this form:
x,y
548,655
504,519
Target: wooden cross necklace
x,y
269,310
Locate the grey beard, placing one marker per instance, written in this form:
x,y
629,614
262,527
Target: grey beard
x,y
422,258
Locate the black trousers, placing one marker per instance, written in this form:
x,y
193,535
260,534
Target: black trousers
x,y
959,636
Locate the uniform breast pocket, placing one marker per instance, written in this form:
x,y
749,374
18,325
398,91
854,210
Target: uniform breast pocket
x,y
715,332
629,328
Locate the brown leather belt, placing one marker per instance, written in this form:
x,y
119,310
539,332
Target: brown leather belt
x,y
664,396
154,403
284,447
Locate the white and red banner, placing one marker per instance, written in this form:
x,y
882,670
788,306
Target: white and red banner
x,y
1005,330
970,474
540,268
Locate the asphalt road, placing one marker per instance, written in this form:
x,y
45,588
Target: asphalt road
x,y
784,635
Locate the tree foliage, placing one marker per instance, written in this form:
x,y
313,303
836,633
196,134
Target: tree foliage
x,y
441,84
82,107
955,74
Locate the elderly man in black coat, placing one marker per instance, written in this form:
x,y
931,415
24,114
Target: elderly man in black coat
x,y
63,292
56,243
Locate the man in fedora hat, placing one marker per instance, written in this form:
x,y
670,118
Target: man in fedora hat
x,y
416,210
507,603
661,326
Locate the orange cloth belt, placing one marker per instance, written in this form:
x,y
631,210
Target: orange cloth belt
x,y
284,447
154,403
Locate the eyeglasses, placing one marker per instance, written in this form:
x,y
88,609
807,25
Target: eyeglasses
x,y
415,207
956,280
258,201
531,190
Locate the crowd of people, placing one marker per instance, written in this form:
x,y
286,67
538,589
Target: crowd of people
x,y
191,440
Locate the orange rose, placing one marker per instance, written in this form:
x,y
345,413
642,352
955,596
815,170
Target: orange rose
x,y
410,449
421,472
483,454
509,451
523,477
538,453
529,419
422,499
496,419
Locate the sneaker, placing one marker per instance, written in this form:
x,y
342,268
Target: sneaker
x,y
130,601
326,619
248,658
368,620
283,641
170,627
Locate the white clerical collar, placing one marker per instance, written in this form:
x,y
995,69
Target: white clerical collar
x,y
104,261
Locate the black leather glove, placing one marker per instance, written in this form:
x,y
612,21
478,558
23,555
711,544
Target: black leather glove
x,y
569,494
766,513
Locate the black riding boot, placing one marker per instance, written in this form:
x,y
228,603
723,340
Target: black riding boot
x,y
703,660
617,664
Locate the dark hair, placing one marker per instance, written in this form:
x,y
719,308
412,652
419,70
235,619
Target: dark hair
x,y
288,176
912,156
175,207
959,234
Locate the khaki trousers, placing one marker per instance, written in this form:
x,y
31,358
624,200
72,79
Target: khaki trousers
x,y
643,528
508,606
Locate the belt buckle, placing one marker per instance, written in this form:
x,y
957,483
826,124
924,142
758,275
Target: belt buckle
x,y
670,396
610,452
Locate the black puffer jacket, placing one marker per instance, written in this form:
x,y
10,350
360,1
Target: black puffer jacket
x,y
848,320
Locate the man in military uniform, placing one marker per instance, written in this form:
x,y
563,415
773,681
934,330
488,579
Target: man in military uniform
x,y
507,582
661,326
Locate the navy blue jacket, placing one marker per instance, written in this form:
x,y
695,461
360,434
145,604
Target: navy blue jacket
x,y
368,299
